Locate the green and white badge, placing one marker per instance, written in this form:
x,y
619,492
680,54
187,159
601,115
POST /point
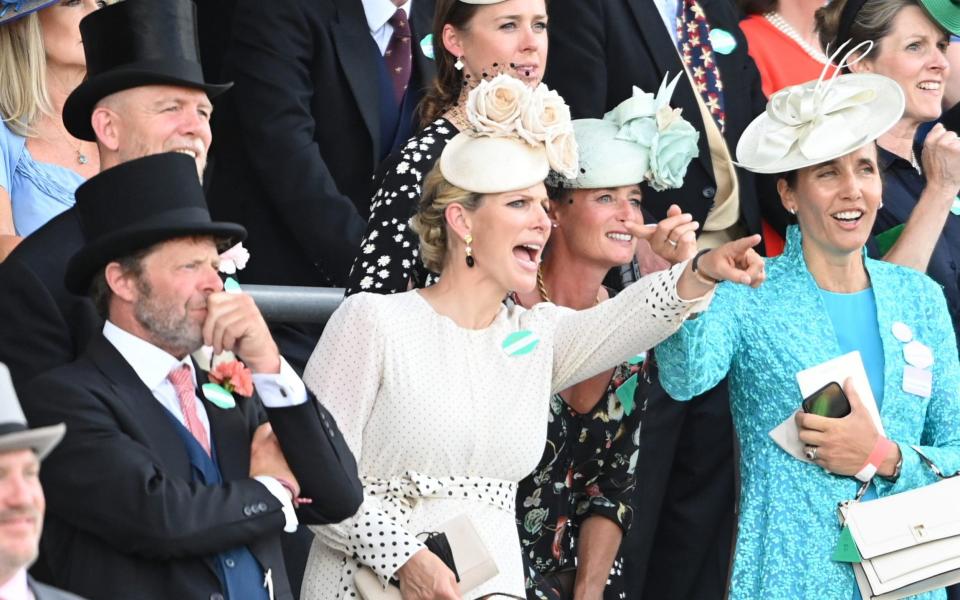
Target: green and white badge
x,y
520,343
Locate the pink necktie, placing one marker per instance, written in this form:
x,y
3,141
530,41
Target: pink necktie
x,y
182,380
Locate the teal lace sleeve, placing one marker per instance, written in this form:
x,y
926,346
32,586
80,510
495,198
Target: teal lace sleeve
x,y
698,356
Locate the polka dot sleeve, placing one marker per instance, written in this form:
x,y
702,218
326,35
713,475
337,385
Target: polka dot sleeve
x,y
354,337
640,317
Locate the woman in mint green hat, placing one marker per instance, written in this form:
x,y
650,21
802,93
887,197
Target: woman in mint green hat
x,y
578,504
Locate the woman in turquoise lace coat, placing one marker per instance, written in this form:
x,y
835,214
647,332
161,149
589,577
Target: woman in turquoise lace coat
x,y
823,298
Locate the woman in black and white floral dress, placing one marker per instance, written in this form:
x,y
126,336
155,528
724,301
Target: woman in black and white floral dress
x,y
483,39
574,509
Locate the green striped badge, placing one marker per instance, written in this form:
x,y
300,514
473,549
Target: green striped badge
x,y
520,342
217,395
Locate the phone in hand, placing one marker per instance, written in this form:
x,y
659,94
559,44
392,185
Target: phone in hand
x,y
828,401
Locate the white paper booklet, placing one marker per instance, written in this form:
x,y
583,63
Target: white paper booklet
x,y
810,380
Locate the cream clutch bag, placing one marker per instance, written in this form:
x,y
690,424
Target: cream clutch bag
x,y
472,562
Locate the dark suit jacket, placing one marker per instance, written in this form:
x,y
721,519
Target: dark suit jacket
x,y
600,49
44,325
298,137
124,519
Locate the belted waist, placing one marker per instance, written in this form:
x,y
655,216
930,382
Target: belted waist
x,y
408,490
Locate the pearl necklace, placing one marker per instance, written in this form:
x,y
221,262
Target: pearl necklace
x,y
788,30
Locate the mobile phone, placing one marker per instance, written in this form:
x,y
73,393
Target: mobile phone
x,y
828,401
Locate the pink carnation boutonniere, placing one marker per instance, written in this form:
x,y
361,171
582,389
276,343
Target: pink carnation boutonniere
x,y
234,377
234,259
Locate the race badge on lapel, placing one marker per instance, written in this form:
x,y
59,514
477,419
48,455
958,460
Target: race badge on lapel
x,y
520,343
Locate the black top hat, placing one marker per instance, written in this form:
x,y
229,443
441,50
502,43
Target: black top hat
x,y
134,43
138,204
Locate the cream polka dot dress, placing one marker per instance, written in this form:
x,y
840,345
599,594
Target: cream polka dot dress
x,y
445,421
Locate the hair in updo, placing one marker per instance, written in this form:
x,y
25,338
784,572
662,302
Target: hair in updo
x,y
873,22
430,223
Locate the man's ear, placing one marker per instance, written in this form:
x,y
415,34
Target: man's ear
x,y
106,127
123,285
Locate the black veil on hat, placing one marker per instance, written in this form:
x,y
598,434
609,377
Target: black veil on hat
x,y
134,43
137,204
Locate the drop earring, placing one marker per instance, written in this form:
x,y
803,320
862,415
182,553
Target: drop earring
x,y
792,211
459,64
469,250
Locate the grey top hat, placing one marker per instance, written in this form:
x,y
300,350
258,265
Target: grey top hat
x,y
14,433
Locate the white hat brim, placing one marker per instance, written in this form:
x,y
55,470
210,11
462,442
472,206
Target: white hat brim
x,y
493,165
883,112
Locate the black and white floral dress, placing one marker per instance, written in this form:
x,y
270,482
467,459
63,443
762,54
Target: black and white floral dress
x,y
389,253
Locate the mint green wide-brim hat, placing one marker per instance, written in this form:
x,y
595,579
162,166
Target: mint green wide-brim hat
x,y
605,161
944,12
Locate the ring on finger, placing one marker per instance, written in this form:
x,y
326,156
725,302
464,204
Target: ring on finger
x,y
811,452
671,242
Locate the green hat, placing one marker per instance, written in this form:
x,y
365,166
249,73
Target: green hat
x,y
643,139
944,12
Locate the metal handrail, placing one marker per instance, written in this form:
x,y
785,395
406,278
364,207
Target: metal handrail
x,y
295,304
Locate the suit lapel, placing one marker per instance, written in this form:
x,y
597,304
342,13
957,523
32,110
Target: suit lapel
x,y
667,60
132,396
351,37
420,26
230,434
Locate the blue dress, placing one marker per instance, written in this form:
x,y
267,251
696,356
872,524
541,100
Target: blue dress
x,y
762,338
38,191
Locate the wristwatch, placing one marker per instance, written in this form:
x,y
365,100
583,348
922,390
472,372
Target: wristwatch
x,y
694,267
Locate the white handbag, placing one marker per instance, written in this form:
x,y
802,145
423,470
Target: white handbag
x,y
909,542
474,565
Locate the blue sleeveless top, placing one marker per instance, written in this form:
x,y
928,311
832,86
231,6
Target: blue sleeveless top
x,y
38,191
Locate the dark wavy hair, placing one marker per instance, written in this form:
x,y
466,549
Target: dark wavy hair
x,y
449,81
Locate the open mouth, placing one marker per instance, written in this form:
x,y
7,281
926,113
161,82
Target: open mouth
x,y
620,237
188,151
528,255
525,70
929,86
848,218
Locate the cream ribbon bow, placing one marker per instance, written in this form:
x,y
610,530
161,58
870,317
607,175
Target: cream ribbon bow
x,y
820,121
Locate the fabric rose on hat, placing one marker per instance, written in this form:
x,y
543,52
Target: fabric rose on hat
x,y
672,150
546,116
494,106
563,154
649,121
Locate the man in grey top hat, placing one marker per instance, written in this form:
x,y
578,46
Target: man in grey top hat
x,y
21,497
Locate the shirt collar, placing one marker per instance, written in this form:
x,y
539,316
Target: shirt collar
x,y
151,364
378,12
17,587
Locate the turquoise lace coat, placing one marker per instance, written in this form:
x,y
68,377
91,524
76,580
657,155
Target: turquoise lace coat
x,y
762,338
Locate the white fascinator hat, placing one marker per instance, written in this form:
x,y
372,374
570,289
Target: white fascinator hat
x,y
821,120
516,136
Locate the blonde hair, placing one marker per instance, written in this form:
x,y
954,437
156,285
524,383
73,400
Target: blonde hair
x,y
430,223
24,99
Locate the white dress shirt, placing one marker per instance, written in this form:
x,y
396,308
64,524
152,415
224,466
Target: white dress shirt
x,y
16,588
378,14
668,12
152,365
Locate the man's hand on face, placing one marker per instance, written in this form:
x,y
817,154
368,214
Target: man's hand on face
x,y
234,323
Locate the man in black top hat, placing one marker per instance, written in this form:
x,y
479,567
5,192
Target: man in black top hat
x,y
21,497
144,94
167,485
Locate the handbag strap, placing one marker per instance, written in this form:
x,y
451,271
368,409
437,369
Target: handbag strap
x,y
931,465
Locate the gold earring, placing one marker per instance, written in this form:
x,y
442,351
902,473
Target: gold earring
x,y
469,250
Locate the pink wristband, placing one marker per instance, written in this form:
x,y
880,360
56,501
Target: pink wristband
x,y
879,453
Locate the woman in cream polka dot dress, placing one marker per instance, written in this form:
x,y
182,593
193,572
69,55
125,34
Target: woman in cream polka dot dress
x,y
442,393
